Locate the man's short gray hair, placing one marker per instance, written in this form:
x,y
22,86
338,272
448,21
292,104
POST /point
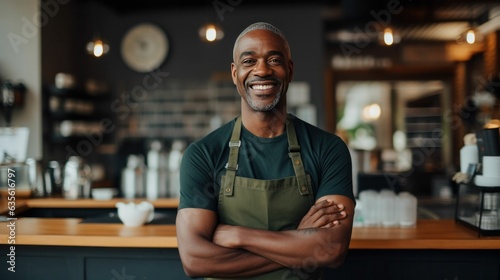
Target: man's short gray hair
x,y
262,26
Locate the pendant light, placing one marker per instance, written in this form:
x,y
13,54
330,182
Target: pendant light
x,y
389,36
97,47
470,36
211,32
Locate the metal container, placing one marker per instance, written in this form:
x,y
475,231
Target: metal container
x,y
53,178
35,177
77,178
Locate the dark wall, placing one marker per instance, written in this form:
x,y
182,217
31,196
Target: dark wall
x,y
66,33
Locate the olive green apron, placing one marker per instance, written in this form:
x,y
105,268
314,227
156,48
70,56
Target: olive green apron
x,y
267,204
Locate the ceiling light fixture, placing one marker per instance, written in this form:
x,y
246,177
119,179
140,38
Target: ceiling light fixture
x,y
211,32
471,36
389,37
97,47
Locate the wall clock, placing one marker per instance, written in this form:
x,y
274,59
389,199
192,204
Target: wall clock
x,y
144,47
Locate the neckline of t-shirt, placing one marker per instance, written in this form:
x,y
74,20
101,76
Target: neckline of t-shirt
x,y
246,134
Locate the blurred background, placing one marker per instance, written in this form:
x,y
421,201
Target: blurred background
x,y
401,81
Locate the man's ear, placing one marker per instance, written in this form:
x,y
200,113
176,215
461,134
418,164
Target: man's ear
x,y
290,70
233,72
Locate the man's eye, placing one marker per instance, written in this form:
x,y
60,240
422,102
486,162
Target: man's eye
x,y
275,61
248,61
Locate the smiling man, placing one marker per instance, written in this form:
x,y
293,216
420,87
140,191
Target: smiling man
x,y
267,195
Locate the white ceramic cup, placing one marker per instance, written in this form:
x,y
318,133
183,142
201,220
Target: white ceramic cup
x,y
491,166
103,193
134,215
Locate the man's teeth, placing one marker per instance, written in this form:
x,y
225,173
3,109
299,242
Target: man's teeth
x,y
262,87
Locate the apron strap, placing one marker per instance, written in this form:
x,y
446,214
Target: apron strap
x,y
294,153
232,164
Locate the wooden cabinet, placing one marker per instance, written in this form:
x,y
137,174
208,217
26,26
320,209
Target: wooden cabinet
x,y
79,263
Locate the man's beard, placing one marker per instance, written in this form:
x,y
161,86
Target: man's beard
x,y
265,108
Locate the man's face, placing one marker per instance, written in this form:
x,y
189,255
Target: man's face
x,y
262,69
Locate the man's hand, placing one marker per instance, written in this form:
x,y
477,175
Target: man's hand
x,y
323,214
225,236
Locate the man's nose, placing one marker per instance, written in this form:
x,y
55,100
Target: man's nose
x,y
262,69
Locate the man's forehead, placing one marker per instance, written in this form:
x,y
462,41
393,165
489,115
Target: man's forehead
x,y
260,34
254,38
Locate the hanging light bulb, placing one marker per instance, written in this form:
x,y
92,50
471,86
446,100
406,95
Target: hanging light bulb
x,y
97,47
211,32
388,36
470,36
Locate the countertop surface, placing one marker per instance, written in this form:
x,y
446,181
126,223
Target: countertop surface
x,y
23,204
428,234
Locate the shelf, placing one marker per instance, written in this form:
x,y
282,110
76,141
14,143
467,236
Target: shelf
x,y
422,127
73,120
423,112
74,93
61,116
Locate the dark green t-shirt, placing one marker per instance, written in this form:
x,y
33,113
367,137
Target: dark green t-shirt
x,y
326,159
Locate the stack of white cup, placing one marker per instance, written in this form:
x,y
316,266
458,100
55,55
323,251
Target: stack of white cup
x,y
387,209
407,210
369,200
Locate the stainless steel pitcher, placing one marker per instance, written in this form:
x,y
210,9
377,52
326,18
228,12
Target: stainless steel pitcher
x,y
35,177
77,178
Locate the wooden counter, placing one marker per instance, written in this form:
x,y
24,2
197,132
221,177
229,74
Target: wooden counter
x,y
29,203
429,234
435,249
70,232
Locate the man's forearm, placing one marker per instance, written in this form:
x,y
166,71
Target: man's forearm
x,y
202,258
323,246
239,263
228,263
295,248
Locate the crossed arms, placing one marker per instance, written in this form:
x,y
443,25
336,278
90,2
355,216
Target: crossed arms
x,y
209,249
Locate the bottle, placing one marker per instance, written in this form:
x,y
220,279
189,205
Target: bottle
x,y
469,152
77,178
156,158
133,177
174,164
156,174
